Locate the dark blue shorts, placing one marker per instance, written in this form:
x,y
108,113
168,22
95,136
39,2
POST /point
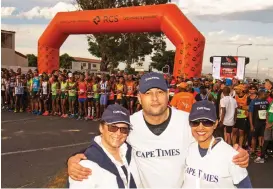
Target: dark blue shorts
x,y
82,100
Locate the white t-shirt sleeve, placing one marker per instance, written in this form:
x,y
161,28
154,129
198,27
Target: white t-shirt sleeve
x,y
90,182
235,103
100,178
222,103
237,173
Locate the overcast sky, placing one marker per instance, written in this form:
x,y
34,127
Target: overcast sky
x,y
225,24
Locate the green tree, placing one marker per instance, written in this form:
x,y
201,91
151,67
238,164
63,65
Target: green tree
x,y
124,47
162,58
66,61
32,60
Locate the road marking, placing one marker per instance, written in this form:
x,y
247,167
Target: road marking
x,y
71,130
42,149
5,138
27,119
15,120
26,185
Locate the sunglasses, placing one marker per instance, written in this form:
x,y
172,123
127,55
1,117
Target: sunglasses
x,y
113,128
205,123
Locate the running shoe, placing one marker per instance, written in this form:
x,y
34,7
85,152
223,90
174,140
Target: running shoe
x,y
39,113
15,111
65,116
258,149
91,117
259,160
86,118
46,113
21,110
270,152
96,119
253,155
79,118
72,116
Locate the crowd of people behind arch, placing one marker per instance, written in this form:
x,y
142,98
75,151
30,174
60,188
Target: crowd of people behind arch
x,y
85,96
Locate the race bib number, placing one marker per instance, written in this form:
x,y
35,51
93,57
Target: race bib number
x,y
81,91
271,109
17,91
35,86
241,113
262,114
89,95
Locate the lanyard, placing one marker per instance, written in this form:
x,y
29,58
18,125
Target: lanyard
x,y
198,180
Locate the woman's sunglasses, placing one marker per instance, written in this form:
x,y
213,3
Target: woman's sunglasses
x,y
113,128
205,123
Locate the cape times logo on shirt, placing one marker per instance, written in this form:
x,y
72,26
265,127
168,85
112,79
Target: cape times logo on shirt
x,y
158,153
202,175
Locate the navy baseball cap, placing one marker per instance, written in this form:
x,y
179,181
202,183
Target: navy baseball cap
x,y
152,80
116,114
203,110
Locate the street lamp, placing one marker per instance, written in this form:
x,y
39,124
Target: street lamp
x,y
258,66
268,71
241,46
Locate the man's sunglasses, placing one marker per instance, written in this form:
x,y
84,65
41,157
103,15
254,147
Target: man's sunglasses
x,y
205,123
113,128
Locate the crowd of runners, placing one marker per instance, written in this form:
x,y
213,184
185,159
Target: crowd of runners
x,y
244,108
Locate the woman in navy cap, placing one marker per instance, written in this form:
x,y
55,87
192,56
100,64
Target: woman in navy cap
x,y
109,155
209,161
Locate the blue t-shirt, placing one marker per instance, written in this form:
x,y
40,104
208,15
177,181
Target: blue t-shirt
x,y
258,109
36,84
196,89
228,82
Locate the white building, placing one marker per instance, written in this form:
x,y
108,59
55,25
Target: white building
x,y
9,56
85,64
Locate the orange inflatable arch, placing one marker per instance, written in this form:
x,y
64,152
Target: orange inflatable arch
x,y
167,18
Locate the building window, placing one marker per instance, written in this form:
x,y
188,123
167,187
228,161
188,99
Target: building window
x,y
6,40
89,66
84,64
94,65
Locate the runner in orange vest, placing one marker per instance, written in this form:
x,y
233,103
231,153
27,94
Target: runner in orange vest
x,y
242,114
184,99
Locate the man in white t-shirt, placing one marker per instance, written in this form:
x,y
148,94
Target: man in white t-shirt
x,y
228,113
160,138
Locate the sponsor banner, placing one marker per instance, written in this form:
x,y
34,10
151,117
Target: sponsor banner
x,y
228,67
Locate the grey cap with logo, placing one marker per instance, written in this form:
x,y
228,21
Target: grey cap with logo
x,y
116,114
152,80
203,110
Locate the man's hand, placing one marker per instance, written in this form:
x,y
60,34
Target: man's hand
x,y
75,170
241,159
